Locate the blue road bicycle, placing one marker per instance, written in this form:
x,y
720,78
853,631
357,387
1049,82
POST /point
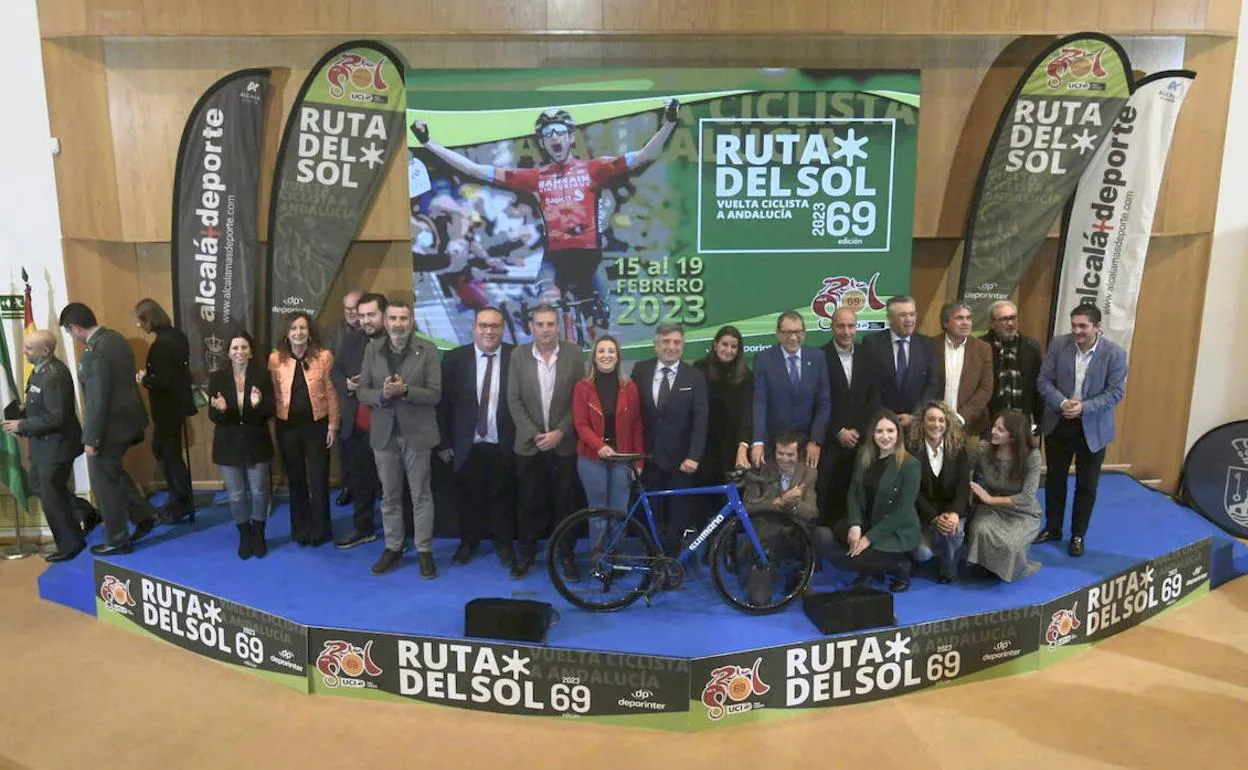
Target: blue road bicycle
x,y
602,559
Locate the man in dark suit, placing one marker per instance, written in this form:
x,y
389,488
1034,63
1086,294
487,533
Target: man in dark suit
x,y
540,380
401,380
790,390
1016,361
113,421
50,422
359,471
963,368
903,363
674,410
1082,380
336,340
478,438
855,401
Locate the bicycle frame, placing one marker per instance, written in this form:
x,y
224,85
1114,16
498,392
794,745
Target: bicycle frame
x,y
733,507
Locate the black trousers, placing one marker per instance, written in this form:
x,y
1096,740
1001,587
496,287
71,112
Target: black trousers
x,y
546,488
1064,443
119,497
673,514
53,485
360,476
306,460
485,488
167,448
836,471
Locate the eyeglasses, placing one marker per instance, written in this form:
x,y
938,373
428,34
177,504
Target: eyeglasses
x,y
556,129
490,327
790,332
1007,318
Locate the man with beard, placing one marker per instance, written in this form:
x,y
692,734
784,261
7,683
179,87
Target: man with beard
x,y
1016,361
358,468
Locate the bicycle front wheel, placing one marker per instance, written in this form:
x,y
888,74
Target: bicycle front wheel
x,y
741,577
612,557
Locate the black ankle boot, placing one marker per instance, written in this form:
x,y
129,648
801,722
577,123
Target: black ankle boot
x,y
244,540
258,547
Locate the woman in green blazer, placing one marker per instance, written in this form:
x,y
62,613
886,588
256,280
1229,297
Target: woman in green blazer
x,y
883,521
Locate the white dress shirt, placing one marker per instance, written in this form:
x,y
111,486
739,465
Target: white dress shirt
x,y
546,382
658,379
935,457
491,431
1081,367
847,362
955,354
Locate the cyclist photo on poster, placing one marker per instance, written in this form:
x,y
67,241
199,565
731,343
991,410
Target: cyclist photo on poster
x,y
491,226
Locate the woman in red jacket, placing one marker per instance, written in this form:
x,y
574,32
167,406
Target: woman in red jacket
x,y
606,409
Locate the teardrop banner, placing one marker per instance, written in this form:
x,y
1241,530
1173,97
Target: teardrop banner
x,y
344,127
1059,114
215,218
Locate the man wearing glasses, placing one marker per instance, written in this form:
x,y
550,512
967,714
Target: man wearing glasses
x,y
791,390
1016,363
567,190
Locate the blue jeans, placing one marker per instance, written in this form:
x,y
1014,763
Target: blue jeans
x,y
606,486
253,479
944,547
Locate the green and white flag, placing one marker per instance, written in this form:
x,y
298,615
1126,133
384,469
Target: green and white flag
x,y
12,475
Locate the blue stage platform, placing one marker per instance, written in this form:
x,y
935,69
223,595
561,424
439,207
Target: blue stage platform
x,y
332,588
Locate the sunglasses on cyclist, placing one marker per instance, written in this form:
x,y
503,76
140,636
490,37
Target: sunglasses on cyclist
x,y
556,129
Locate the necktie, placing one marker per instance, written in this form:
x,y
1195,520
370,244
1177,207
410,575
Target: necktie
x,y
795,376
902,363
483,406
665,387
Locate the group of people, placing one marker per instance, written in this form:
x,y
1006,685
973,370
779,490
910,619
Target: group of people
x,y
893,449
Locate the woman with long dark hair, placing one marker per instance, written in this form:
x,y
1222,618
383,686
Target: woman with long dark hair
x,y
1007,515
307,420
240,404
937,440
730,393
167,377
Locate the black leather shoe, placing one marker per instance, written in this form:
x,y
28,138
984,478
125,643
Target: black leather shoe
x,y
90,522
143,528
428,567
943,579
387,561
52,558
524,563
344,497
1076,546
506,555
900,584
356,538
1047,536
104,549
464,553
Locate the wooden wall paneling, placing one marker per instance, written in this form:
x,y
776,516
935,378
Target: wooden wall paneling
x,y
1179,15
933,278
1125,14
86,179
575,14
1222,15
1034,296
1189,196
61,17
489,16
1063,16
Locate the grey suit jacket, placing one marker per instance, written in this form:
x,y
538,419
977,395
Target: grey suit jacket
x,y
114,414
524,397
49,419
1103,387
414,414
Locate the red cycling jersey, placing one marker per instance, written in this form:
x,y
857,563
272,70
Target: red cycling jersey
x,y
568,197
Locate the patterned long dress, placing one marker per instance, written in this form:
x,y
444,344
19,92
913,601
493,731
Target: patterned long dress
x,y
999,536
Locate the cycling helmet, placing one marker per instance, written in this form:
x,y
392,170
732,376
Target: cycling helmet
x,y
551,117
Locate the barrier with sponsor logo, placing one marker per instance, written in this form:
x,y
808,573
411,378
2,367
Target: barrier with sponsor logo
x,y
672,693
230,633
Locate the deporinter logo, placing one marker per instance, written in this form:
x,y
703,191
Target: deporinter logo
x,y
342,664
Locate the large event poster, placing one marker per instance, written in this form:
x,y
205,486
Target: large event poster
x,y
629,198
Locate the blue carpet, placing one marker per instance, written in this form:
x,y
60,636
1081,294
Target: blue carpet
x,y
327,587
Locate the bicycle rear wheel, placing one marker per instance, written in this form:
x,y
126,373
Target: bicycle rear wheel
x,y
744,581
616,564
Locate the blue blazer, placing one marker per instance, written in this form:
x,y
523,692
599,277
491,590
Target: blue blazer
x,y
921,384
777,406
457,411
678,430
1103,387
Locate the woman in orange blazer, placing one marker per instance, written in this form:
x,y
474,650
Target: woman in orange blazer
x,y
307,421
606,410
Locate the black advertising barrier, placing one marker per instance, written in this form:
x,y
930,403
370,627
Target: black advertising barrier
x,y
345,126
1071,623
1061,111
642,690
214,231
272,647
1215,477
857,668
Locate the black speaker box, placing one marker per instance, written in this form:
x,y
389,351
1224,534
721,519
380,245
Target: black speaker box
x,y
516,620
853,609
